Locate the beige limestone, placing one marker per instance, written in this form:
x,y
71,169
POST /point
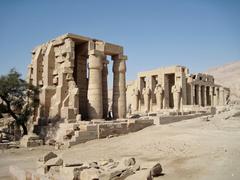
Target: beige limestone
x,y
174,88
72,74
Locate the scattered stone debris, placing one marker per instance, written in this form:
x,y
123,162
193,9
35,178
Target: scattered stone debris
x,y
52,166
51,142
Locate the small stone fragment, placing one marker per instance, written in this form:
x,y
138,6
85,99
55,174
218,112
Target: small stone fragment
x,y
129,161
54,162
156,170
90,174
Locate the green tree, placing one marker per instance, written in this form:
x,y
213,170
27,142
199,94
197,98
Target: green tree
x,y
19,98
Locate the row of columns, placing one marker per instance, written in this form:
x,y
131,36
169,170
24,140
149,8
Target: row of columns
x,y
200,96
97,86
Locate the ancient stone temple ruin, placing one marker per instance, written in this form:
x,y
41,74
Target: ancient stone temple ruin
x,y
72,71
173,88
75,106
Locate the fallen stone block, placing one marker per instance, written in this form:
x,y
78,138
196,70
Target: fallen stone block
x,y
51,142
54,162
47,157
128,161
90,174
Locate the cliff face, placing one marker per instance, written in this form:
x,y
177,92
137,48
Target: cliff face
x,y
228,75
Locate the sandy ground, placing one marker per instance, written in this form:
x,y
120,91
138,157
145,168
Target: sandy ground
x,y
188,150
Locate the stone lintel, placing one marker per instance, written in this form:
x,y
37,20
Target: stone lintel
x,y
112,49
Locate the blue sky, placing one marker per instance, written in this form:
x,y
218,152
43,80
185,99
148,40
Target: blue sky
x,y
196,33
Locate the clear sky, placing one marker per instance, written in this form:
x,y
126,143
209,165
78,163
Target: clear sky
x,y
196,33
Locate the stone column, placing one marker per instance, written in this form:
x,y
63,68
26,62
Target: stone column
x,y
177,91
119,86
217,96
135,98
193,94
221,96
205,95
105,87
199,96
159,96
95,102
211,95
146,96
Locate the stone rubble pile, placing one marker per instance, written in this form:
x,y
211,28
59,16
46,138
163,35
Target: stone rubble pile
x,y
53,166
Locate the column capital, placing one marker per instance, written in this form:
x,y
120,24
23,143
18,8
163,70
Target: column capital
x,y
211,89
119,57
95,60
221,88
119,65
96,52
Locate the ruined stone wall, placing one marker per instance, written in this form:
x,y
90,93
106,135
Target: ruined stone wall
x,y
179,89
71,72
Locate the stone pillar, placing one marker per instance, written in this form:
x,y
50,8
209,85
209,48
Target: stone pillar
x,y
211,91
159,96
193,94
176,90
48,89
146,96
199,96
135,98
217,96
119,86
205,95
221,96
105,87
95,102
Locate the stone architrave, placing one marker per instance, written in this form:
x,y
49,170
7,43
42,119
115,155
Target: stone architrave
x,y
146,96
159,96
135,96
176,90
95,101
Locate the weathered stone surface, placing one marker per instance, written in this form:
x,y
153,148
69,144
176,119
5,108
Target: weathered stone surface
x,y
59,67
173,87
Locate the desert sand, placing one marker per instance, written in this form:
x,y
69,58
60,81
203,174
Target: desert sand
x,y
190,149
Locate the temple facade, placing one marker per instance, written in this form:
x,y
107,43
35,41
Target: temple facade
x,y
71,72
173,88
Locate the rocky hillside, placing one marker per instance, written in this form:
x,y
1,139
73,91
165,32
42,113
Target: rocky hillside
x,y
229,76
